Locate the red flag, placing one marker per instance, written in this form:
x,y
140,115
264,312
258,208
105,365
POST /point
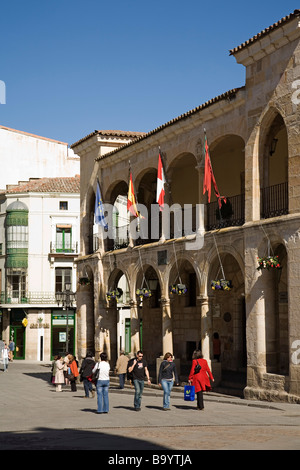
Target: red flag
x,y
209,176
160,191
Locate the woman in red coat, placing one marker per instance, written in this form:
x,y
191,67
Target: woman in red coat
x,y
200,380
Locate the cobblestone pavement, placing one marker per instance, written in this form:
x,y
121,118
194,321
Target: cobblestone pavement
x,y
33,416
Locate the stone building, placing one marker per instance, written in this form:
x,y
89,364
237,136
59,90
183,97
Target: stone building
x,y
254,144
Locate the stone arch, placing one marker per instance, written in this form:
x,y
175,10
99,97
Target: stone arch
x,y
183,179
273,164
275,288
228,309
150,313
87,221
186,318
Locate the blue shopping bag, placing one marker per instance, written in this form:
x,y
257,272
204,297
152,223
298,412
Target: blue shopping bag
x,y
189,392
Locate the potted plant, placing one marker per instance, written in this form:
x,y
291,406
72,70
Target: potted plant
x,y
221,284
268,262
143,293
114,294
179,289
84,281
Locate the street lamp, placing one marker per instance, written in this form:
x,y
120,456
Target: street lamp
x,y
66,298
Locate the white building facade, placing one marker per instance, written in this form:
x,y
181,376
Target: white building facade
x,y
39,236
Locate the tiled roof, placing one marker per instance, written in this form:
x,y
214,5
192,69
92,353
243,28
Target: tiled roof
x,y
266,31
227,96
127,134
46,185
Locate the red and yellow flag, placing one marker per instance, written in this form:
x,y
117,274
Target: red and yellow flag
x,y
131,199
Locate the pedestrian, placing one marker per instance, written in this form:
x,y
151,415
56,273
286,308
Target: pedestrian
x,y
11,347
139,370
73,372
121,368
200,379
216,346
53,370
5,357
129,374
167,374
59,373
85,372
66,365
102,384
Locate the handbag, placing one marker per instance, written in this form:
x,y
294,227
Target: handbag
x,y
70,376
189,393
95,375
197,368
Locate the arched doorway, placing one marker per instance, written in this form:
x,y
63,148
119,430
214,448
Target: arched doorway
x,y
273,166
186,319
229,313
149,314
276,311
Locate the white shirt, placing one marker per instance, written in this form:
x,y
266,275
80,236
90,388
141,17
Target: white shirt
x,y
104,370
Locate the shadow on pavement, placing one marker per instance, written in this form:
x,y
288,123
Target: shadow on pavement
x,y
72,439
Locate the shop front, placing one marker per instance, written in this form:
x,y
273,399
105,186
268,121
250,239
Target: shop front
x,y
63,332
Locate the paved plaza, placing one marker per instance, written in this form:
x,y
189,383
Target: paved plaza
x,y
33,416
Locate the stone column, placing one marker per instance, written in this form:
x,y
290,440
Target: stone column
x,y
206,326
85,321
102,336
167,330
135,326
256,333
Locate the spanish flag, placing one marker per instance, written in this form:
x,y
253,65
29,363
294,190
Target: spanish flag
x,y
131,199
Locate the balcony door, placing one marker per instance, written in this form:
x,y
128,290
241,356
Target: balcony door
x,y
64,238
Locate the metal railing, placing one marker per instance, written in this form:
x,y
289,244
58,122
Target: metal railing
x,y
17,297
63,248
274,201
232,214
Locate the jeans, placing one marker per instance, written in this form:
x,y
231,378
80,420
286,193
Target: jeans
x,y
102,396
88,387
5,364
167,386
139,388
122,380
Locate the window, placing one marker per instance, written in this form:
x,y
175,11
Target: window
x,y
16,285
64,238
63,205
63,276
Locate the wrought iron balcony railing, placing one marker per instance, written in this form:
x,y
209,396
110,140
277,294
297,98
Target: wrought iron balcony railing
x,y
230,215
274,201
17,297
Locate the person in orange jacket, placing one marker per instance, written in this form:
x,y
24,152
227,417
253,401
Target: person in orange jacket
x,y
200,379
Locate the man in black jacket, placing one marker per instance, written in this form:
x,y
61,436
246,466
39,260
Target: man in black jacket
x,y
139,370
85,372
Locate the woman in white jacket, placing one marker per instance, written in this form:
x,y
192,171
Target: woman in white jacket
x,y
59,373
102,384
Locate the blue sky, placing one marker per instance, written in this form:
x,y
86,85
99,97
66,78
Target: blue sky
x,y
71,67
